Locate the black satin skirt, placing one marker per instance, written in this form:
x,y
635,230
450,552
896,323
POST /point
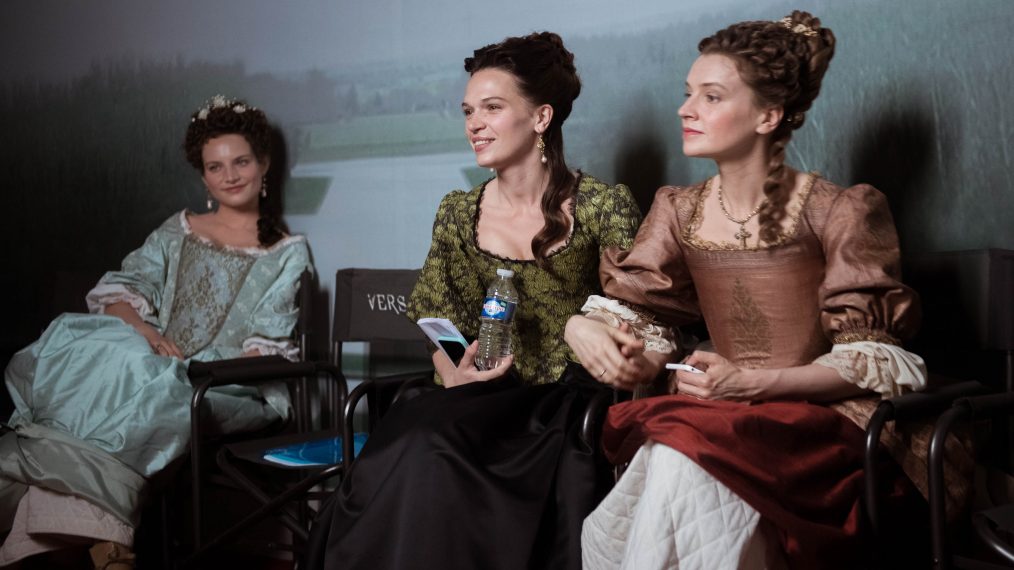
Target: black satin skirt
x,y
489,475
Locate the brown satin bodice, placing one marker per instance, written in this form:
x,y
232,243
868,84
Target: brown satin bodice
x,y
833,277
761,306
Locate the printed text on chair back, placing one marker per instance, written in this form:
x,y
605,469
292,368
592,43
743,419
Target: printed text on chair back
x,y
370,304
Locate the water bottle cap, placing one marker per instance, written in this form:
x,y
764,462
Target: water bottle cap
x,y
505,273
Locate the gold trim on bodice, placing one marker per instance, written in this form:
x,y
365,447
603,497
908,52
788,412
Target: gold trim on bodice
x,y
794,210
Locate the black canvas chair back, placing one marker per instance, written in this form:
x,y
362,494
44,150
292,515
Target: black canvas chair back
x,y
370,307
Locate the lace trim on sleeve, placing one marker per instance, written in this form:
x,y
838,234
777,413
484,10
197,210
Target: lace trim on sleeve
x,y
105,294
268,347
858,333
884,368
657,338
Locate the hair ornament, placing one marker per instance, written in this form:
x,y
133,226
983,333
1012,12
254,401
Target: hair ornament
x,y
801,29
219,102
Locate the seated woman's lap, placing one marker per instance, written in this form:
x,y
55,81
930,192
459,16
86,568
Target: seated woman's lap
x,y
95,378
486,460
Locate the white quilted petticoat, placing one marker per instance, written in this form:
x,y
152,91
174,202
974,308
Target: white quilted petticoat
x,y
46,521
668,512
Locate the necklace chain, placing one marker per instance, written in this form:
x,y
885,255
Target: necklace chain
x,y
742,234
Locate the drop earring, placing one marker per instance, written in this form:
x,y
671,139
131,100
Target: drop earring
x,y
264,186
210,203
541,145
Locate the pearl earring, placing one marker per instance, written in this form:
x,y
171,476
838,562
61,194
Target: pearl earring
x,y
541,145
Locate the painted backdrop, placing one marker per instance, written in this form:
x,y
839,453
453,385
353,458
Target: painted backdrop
x,y
95,96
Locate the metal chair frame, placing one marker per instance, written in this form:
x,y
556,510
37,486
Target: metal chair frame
x,y
964,410
255,371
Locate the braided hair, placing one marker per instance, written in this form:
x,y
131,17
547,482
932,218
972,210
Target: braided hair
x,y
783,62
545,72
222,116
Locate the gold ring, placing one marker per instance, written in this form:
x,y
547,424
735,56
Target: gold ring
x,y
602,373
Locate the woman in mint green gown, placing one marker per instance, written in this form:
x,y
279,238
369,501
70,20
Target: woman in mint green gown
x,y
102,400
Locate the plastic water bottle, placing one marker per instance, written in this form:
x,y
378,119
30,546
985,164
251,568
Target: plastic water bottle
x,y
496,321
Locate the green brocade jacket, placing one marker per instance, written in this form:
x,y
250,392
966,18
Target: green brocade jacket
x,y
457,271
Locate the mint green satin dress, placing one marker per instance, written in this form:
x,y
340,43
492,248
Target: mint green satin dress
x,y
97,413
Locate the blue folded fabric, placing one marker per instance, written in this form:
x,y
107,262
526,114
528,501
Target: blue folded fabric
x,y
319,452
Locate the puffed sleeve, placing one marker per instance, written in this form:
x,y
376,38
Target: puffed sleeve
x,y
650,280
275,314
437,293
652,275
865,308
141,280
618,217
862,296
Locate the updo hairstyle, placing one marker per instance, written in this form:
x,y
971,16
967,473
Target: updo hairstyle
x,y
545,72
222,116
784,63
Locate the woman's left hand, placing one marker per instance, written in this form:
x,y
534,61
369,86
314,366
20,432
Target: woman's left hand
x,y
721,380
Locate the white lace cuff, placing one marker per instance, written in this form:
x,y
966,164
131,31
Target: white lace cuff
x,y
612,312
884,368
105,294
267,347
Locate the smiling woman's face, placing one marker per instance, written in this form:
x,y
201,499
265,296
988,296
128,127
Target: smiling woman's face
x,y
232,172
499,121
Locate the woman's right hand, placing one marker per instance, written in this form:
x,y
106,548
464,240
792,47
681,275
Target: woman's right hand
x,y
613,355
160,345
466,372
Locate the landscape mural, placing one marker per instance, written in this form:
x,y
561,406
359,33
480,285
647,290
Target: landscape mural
x,y
94,100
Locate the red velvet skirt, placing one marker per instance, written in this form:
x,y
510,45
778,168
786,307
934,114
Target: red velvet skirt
x,y
799,465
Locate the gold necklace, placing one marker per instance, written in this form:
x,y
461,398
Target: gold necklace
x,y
742,234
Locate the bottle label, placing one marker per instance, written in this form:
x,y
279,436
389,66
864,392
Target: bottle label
x,y
498,309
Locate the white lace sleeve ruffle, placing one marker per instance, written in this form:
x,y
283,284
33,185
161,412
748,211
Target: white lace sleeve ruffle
x,y
612,312
884,368
268,347
105,294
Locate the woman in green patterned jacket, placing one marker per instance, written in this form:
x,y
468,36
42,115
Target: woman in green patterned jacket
x,y
490,472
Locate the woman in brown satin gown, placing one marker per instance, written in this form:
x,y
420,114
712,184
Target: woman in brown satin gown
x,y
798,282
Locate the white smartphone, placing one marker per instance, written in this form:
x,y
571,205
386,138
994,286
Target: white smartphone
x,y
445,336
453,347
683,367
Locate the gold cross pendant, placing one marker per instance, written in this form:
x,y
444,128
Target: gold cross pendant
x,y
741,235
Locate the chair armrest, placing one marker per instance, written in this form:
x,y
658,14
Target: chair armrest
x,y
199,368
988,405
964,410
248,371
254,370
422,382
908,407
348,429
919,405
593,413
